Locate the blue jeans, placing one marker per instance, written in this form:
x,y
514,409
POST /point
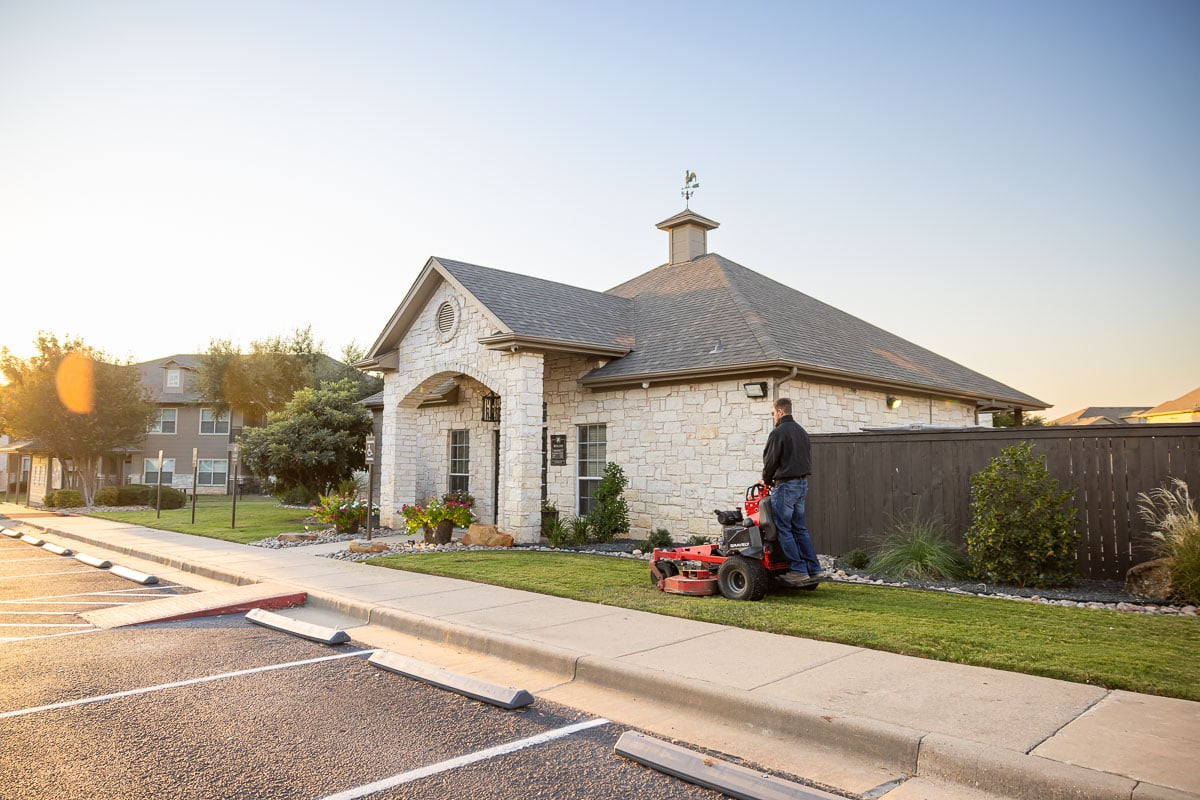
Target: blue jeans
x,y
787,509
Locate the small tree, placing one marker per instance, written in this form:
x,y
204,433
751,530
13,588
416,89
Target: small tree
x,y
1022,529
610,515
315,442
75,403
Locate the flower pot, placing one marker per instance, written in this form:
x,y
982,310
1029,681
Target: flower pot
x,y
348,528
443,532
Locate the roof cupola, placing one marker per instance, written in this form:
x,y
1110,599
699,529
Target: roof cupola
x,y
689,235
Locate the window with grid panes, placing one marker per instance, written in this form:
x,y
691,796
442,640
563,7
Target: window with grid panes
x,y
593,447
460,461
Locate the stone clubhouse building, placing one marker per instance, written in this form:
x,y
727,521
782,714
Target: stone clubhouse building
x,y
519,390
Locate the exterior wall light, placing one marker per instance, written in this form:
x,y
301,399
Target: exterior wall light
x,y
893,403
755,390
491,408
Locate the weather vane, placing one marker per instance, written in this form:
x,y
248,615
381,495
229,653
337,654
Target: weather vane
x,y
690,185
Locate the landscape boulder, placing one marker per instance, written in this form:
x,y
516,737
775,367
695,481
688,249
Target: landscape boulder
x,y
486,536
1150,580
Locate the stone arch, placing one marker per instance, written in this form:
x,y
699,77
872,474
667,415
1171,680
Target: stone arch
x,y
415,389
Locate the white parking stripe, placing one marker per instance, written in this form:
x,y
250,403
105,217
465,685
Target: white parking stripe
x,y
46,635
191,682
43,625
18,560
38,613
46,574
462,761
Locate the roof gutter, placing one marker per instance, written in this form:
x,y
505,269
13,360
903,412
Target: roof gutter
x,y
514,342
791,371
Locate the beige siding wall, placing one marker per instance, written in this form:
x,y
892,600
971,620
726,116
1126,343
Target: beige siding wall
x,y
179,446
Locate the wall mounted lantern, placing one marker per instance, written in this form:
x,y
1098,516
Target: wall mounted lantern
x,y
893,403
755,390
491,408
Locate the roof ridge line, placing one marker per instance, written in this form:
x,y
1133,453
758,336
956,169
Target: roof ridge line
x,y
766,342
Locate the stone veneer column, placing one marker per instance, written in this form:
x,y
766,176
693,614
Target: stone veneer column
x,y
398,475
521,447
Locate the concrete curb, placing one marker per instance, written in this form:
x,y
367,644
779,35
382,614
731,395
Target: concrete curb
x,y
1021,776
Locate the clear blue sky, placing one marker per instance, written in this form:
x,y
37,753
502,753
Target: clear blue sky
x,y
1015,185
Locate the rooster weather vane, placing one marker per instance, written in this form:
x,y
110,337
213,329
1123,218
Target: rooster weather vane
x,y
690,185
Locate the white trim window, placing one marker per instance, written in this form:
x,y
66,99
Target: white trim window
x,y
593,449
213,472
173,378
213,424
150,473
165,422
460,461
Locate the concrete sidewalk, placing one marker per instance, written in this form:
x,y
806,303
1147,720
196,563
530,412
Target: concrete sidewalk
x,y
855,719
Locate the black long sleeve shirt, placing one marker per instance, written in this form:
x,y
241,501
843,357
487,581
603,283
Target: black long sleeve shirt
x,y
788,453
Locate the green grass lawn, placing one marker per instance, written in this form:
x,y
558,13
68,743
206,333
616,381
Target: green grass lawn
x,y
1136,652
257,518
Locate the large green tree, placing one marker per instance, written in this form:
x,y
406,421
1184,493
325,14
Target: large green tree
x,y
314,442
75,403
265,379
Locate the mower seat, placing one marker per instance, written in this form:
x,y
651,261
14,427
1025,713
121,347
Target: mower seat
x,y
766,523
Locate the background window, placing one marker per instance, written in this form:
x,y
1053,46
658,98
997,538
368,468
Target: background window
x,y
460,461
173,379
164,422
213,472
593,446
209,423
151,472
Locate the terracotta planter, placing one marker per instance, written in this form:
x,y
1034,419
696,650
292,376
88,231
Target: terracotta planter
x,y
351,528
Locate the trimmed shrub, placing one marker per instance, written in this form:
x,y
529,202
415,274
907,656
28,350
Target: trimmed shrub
x,y
108,496
917,548
610,515
49,500
136,495
297,496
68,498
1176,531
661,538
1022,528
698,539
172,498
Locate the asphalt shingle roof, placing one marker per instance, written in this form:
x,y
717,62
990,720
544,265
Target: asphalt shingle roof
x,y
543,309
712,313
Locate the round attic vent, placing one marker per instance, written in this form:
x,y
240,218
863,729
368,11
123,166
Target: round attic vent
x,y
446,319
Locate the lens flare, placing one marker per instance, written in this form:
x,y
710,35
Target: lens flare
x,y
76,383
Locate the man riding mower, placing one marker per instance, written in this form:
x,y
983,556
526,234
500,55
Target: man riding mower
x,y
741,567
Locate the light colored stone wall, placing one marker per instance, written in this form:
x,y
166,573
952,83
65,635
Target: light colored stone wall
x,y
414,446
692,448
686,449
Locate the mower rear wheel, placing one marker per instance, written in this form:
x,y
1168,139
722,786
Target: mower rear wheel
x,y
669,569
742,579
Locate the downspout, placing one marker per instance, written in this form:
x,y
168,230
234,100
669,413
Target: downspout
x,y
776,384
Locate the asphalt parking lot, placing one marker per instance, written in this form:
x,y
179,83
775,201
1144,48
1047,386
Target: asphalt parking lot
x,y
218,707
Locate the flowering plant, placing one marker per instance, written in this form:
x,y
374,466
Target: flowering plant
x,y
434,511
343,512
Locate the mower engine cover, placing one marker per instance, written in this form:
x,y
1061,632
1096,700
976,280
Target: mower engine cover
x,y
742,540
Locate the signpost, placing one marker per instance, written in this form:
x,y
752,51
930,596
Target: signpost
x,y
369,450
158,497
233,456
195,479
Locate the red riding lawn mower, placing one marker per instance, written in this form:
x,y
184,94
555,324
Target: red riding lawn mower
x,y
740,567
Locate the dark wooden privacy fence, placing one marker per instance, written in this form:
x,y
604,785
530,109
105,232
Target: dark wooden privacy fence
x,y
863,482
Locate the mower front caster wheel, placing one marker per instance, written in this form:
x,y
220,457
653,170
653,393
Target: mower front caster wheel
x,y
742,579
669,569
